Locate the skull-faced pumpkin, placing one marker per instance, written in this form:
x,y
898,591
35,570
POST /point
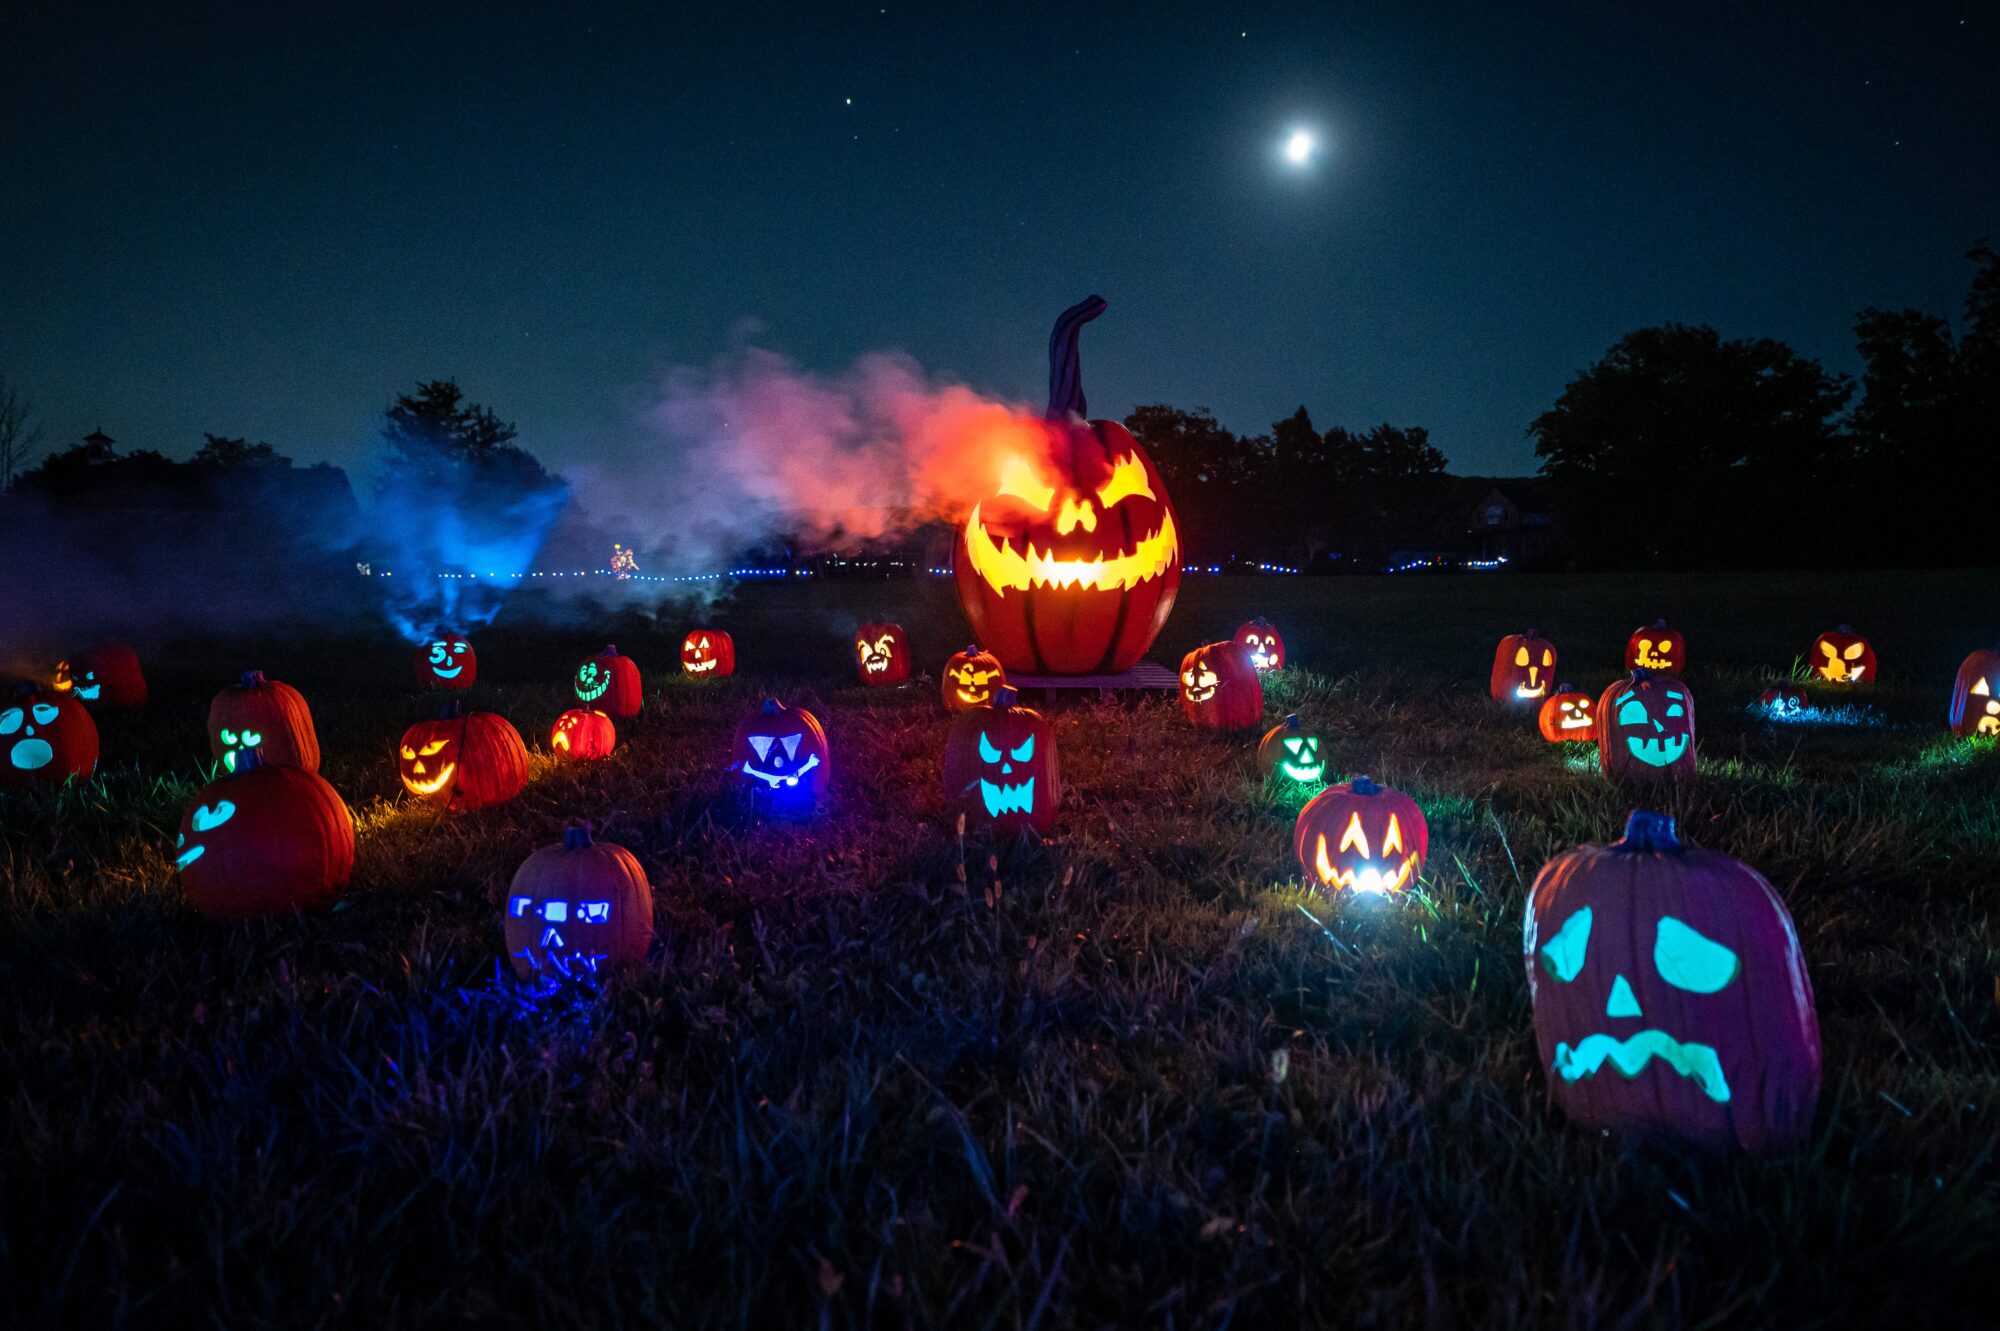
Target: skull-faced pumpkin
x,y
881,654
1842,657
609,683
108,674
1524,666
781,755
1645,728
46,738
1670,998
1975,695
446,661
1657,648
1220,689
463,760
264,715
577,910
1000,768
970,679
266,839
1071,564
1361,837
1292,753
580,735
1567,715
708,654
1266,648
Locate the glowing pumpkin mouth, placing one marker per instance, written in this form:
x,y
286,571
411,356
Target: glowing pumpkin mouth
x,y
452,673
1697,1062
698,667
1376,878
1006,569
1263,660
89,692
444,776
874,665
1008,799
592,692
970,697
1990,724
29,754
1576,721
1297,773
1658,751
1653,661
1530,690
776,780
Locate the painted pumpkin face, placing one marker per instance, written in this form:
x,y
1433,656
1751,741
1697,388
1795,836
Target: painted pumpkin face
x,y
1361,837
709,653
1000,768
1567,715
970,679
882,654
781,754
1656,648
1784,702
1975,695
45,739
1266,648
1670,998
1220,689
107,674
1842,657
1645,728
580,735
463,761
445,662
266,715
268,839
1070,564
577,910
1293,753
609,683
1524,666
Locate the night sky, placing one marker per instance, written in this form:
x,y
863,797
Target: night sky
x,y
266,227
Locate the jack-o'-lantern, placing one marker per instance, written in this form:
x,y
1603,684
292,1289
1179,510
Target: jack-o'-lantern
x,y
45,739
609,683
1292,752
580,735
1266,648
1656,648
107,674
266,839
577,910
1567,715
1524,666
1071,564
445,662
1219,687
781,754
970,679
708,654
1842,657
265,715
1361,837
1784,702
1670,998
1975,695
1645,728
881,654
1000,768
464,760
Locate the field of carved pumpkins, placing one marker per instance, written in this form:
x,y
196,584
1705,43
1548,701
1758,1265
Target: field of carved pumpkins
x,y
1142,1040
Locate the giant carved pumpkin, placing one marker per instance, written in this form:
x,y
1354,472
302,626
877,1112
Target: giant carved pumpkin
x,y
1669,995
1842,657
881,654
1361,837
1567,715
266,839
580,735
1975,695
1292,752
708,654
1219,687
577,909
464,760
782,756
445,662
1070,565
1645,728
1524,666
970,679
1000,768
1266,648
107,674
266,716
1656,648
46,738
609,683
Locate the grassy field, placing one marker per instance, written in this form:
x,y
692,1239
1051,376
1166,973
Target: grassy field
x,y
872,1075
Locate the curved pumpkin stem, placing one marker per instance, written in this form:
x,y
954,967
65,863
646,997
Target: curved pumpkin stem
x,y
1066,361
1649,831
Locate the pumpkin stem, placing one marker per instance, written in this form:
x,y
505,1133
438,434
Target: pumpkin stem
x,y
1564,687
449,710
610,649
1639,675
1291,720
252,679
1847,629
248,760
576,837
1649,831
772,707
1361,785
1065,362
1005,697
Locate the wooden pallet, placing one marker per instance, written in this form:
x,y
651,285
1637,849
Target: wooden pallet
x,y
1145,675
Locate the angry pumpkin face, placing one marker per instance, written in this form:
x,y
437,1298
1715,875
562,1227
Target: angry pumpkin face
x,y
1842,657
881,654
1361,837
781,753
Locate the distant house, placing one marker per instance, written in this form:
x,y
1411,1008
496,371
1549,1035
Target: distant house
x,y
1512,522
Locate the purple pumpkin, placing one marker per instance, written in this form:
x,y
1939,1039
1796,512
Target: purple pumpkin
x,y
1669,995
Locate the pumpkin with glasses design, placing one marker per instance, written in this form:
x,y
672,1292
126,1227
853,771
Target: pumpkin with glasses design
x,y
445,661
1645,729
881,654
1292,753
1842,656
780,755
265,839
1000,768
577,910
463,760
609,682
1524,666
1070,564
46,738
1784,702
1361,837
1670,997
1975,695
708,654
971,678
266,715
1567,715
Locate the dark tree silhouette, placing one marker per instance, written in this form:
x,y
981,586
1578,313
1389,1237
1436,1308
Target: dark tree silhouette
x,y
20,437
221,451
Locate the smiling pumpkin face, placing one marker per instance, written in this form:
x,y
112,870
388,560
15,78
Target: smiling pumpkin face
x,y
45,739
1975,695
445,662
1524,668
1220,689
1566,715
1645,729
1657,648
708,654
970,679
1293,753
781,755
1266,648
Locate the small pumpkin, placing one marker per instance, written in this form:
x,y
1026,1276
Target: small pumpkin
x,y
1842,656
1645,729
446,661
266,715
1567,715
708,654
1524,665
609,683
1361,837
1670,997
580,735
1293,752
781,754
265,839
1975,695
46,738
881,654
1220,689
577,909
464,760
1784,700
1000,768
970,679
107,674
1266,648
1657,648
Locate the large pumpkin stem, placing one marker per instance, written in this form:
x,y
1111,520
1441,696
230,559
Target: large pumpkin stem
x,y
1005,697
1649,831
1361,785
450,710
1066,361
576,838
252,679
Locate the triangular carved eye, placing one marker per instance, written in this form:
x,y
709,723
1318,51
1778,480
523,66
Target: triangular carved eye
x,y
1981,689
1392,841
762,745
1354,836
1563,955
792,745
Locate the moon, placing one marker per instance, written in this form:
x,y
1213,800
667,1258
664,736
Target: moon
x,y
1299,147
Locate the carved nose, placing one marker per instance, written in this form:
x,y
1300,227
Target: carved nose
x,y
1076,515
